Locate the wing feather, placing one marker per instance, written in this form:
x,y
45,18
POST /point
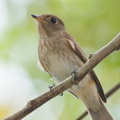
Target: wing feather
x,y
74,45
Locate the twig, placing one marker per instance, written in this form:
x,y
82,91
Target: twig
x,y
67,83
115,88
108,94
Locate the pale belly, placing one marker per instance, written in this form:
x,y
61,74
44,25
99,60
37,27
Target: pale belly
x,y
61,69
60,64
85,90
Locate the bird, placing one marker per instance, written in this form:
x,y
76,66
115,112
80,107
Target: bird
x,y
59,54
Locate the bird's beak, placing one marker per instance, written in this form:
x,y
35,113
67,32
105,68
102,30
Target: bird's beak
x,y
39,18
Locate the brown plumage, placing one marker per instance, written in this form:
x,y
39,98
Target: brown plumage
x,y
59,55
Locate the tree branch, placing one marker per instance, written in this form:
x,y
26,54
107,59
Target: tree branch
x,y
67,83
108,94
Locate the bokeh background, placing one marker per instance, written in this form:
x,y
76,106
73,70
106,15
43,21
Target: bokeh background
x,y
93,23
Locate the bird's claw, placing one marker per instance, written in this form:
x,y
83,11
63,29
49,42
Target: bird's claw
x,y
74,74
91,55
50,87
61,94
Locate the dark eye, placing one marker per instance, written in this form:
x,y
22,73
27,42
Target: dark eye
x,y
53,20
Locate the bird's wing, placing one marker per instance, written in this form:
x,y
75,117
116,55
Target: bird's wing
x,y
75,46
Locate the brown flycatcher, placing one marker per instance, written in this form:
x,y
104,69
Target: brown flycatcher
x,y
60,55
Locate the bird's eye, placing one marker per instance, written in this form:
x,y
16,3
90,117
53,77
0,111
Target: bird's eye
x,y
53,20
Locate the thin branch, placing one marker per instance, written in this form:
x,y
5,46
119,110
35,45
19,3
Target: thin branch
x,y
108,94
115,88
67,83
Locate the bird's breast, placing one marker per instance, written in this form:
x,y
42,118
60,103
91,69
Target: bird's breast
x,y
58,59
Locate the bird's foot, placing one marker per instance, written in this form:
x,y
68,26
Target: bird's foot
x,y
61,94
93,54
76,79
50,87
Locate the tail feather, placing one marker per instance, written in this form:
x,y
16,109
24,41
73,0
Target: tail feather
x,y
102,114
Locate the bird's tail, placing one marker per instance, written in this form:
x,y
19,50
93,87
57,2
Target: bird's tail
x,y
102,114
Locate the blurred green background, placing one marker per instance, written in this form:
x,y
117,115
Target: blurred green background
x,y
93,23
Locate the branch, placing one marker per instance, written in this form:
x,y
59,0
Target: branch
x,y
109,93
67,83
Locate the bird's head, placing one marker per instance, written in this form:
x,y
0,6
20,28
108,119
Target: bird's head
x,y
48,24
